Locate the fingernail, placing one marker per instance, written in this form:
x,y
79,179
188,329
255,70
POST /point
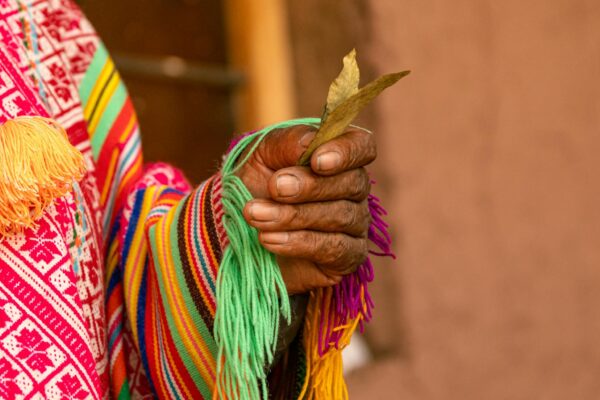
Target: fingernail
x,y
327,161
275,237
264,212
288,185
306,139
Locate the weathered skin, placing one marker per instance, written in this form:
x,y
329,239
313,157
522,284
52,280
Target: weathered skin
x,y
315,219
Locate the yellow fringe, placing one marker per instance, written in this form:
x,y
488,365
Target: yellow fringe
x,y
324,375
37,166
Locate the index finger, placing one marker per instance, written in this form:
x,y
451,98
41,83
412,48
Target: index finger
x,y
355,148
283,147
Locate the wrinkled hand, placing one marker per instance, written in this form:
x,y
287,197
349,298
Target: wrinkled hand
x,y
314,219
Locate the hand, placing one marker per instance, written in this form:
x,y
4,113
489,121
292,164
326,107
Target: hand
x,y
314,219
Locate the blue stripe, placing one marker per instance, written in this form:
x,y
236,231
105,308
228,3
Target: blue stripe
x,y
133,221
141,322
115,183
196,218
113,337
165,363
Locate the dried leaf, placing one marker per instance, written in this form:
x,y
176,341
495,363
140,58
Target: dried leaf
x,y
339,118
345,85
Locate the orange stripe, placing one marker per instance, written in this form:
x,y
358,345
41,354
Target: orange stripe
x,y
158,376
100,82
109,178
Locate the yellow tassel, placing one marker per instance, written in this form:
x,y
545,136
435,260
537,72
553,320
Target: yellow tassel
x,y
37,166
324,374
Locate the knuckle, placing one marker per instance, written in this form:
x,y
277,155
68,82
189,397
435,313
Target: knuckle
x,y
366,180
357,255
302,245
353,151
293,215
313,242
357,190
322,193
302,217
365,218
364,176
348,215
361,184
351,154
364,147
362,253
340,246
371,148
364,250
334,249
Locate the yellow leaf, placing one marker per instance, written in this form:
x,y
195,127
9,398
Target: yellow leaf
x,y
340,117
345,85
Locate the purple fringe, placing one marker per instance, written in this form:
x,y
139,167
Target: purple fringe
x,y
236,140
346,302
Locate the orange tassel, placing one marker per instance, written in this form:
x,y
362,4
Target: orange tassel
x,y
37,166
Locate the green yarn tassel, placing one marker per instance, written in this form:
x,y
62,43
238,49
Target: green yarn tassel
x,y
251,294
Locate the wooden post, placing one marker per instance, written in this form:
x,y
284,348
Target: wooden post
x,y
259,46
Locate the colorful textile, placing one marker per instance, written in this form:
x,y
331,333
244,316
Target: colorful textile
x,y
113,292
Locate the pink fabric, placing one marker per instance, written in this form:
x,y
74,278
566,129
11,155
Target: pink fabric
x,y
52,323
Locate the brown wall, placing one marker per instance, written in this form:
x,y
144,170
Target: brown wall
x,y
486,165
488,154
185,122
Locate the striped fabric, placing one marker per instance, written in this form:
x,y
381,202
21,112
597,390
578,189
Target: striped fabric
x,y
146,329
170,254
113,132
162,241
156,240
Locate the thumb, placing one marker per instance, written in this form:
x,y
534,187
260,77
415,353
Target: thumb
x,y
283,147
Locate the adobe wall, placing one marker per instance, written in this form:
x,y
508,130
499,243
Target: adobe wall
x,y
489,167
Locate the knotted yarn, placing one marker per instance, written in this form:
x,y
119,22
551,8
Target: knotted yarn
x,y
251,294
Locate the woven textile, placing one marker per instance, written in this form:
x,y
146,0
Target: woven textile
x,y
113,293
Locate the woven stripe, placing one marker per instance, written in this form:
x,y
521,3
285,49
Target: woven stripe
x,y
92,73
168,263
197,355
162,254
161,242
195,283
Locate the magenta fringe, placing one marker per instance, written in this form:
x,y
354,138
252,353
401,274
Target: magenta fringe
x,y
236,140
346,303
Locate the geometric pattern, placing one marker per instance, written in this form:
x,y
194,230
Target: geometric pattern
x,y
66,330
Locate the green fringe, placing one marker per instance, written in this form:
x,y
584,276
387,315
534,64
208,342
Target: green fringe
x,y
249,287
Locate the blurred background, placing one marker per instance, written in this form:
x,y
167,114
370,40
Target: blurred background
x,y
488,165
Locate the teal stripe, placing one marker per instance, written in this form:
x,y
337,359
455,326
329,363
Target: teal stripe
x,y
188,304
91,75
114,336
165,364
110,114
